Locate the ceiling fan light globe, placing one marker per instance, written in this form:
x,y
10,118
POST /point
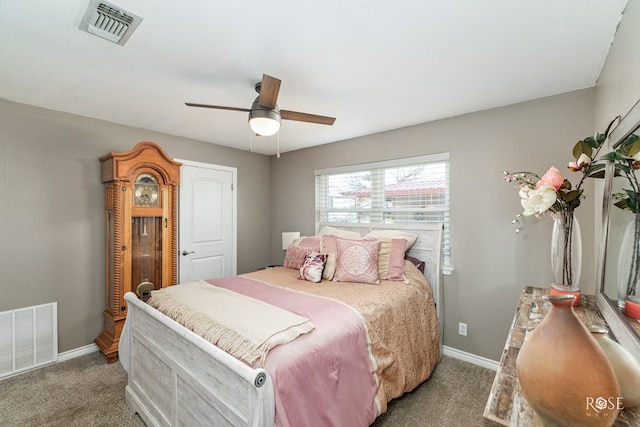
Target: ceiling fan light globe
x,y
264,126
264,121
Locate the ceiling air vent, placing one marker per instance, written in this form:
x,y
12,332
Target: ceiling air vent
x,y
109,22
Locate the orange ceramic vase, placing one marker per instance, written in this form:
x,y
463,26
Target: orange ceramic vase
x,y
564,374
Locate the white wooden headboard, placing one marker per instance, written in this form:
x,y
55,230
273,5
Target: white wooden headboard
x,y
428,248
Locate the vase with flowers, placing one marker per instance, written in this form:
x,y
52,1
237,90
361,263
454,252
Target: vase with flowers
x,y
625,166
555,194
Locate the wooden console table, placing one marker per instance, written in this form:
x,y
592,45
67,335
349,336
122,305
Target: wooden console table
x,y
506,406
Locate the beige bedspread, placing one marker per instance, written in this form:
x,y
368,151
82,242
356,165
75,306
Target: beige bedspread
x,y
401,320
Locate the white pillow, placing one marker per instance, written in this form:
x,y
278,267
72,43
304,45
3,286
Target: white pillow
x,y
326,230
393,234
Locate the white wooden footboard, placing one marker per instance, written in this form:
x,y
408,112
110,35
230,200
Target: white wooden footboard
x,y
178,378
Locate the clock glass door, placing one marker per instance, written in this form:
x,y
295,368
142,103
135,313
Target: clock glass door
x,y
146,262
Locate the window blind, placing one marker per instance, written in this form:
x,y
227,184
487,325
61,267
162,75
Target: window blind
x,y
408,190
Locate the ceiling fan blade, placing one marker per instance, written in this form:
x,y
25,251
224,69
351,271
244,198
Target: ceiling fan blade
x,y
219,107
269,89
305,117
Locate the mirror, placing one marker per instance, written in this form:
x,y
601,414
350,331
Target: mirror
x,y
617,239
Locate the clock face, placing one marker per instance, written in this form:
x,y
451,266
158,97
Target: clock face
x,y
145,191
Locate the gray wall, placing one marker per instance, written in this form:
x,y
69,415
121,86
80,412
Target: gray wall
x,y
492,263
618,87
52,210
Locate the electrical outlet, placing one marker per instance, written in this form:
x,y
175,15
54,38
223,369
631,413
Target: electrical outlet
x,y
462,329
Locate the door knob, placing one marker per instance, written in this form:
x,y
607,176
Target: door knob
x,y
185,253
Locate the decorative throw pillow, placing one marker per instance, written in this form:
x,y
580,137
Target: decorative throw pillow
x,y
312,267
295,256
417,262
312,242
393,234
357,261
325,230
391,260
328,246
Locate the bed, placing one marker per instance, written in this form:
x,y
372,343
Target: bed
x,y
177,377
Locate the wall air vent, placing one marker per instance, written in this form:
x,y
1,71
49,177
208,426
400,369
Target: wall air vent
x,y
109,22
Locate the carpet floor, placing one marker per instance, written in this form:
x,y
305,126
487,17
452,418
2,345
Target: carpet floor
x,y
87,391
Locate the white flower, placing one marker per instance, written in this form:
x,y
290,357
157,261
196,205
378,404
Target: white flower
x,y
538,201
584,160
582,163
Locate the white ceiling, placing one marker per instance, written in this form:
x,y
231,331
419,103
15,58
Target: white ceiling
x,y
374,65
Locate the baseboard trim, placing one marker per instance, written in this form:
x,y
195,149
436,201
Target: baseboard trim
x,y
447,351
77,352
66,355
471,358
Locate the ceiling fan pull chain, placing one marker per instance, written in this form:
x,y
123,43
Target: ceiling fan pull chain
x,y
278,144
250,142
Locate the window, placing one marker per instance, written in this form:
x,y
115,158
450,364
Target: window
x,y
410,190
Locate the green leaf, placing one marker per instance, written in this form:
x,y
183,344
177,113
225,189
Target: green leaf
x,y
632,194
595,167
598,174
613,156
632,145
570,196
623,168
590,141
580,148
622,204
620,156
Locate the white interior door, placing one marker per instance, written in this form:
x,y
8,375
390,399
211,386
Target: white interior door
x,y
207,247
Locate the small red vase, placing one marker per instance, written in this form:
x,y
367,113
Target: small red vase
x,y
632,307
566,290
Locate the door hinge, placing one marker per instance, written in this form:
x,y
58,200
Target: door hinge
x,y
232,186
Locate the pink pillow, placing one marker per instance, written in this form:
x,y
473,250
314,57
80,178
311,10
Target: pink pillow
x,y
357,261
395,271
312,267
295,256
328,246
312,242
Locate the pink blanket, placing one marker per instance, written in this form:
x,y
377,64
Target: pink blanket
x,y
331,364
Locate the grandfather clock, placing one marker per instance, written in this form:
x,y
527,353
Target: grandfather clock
x,y
141,200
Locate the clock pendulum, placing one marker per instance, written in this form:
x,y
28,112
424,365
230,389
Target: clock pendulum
x,y
144,288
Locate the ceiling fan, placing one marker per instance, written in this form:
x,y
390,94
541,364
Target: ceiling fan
x,y
264,114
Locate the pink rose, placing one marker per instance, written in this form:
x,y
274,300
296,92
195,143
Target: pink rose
x,y
553,177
